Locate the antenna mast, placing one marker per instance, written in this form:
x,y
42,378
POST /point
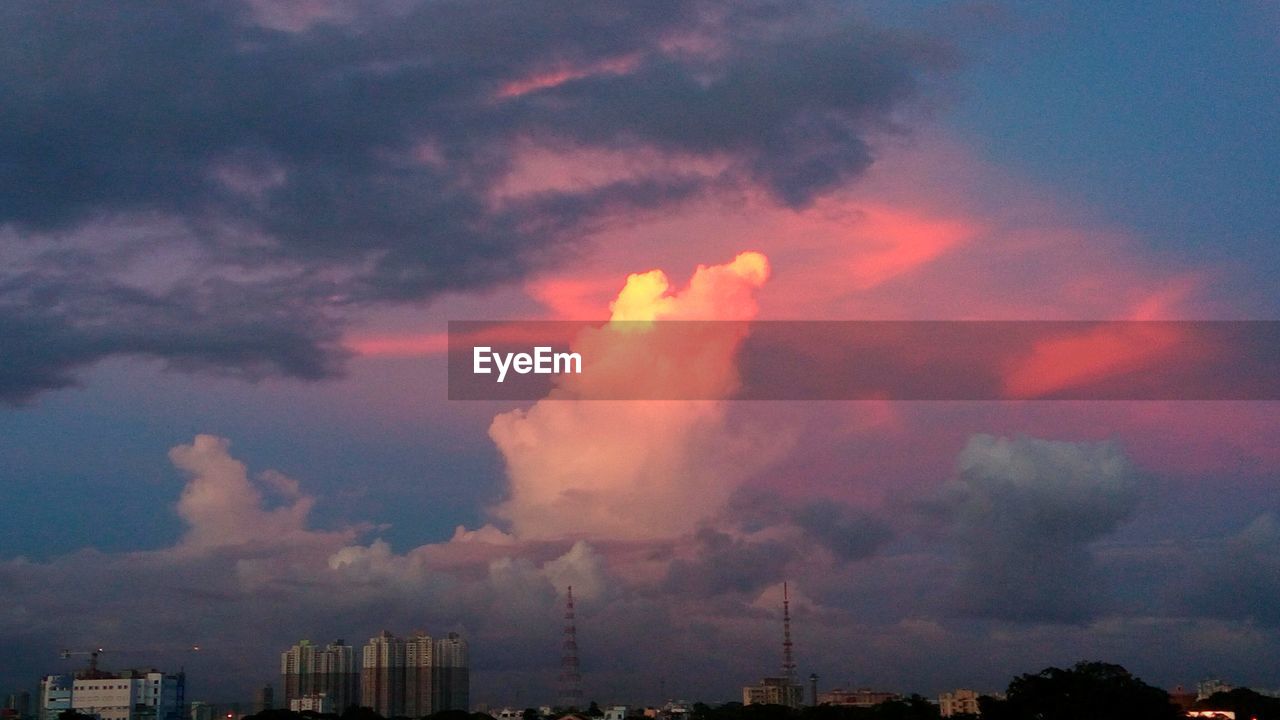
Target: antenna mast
x,y
570,677
788,661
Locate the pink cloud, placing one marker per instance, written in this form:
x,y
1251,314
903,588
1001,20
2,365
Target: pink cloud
x,y
222,507
1070,359
907,240
631,470
564,72
400,346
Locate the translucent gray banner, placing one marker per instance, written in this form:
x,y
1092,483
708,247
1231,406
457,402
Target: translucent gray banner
x,y
865,360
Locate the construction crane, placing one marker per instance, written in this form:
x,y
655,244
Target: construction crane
x,y
93,654
92,672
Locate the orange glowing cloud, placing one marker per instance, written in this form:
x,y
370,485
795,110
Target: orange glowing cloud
x,y
1074,359
718,292
646,469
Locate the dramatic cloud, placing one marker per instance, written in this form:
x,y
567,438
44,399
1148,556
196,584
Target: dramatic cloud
x,y
637,469
314,163
1024,512
249,188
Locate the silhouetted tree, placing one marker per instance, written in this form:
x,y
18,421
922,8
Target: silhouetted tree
x,y
451,715
1245,703
914,707
992,708
738,711
356,712
278,714
1092,690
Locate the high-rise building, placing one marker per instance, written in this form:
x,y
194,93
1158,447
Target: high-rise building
x,y
332,671
263,699
128,695
452,681
413,677
382,675
337,675
419,664
201,710
297,670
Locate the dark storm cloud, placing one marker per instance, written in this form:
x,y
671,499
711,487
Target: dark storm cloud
x,y
848,532
55,322
1023,513
761,534
727,564
795,112
366,150
1240,578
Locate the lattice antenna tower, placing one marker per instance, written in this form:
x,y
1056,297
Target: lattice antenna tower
x,y
788,660
570,676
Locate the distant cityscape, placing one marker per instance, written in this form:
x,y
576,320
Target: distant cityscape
x,y
395,677
418,676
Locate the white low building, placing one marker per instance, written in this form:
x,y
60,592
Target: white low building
x,y
130,695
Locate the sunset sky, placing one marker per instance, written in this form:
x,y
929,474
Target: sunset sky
x,y
232,234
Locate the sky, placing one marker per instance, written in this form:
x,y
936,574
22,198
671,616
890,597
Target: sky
x,y
232,233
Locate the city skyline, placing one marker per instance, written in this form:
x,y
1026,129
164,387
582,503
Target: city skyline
x,y
233,235
387,677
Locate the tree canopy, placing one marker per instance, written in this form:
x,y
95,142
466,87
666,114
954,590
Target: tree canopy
x,y
1085,691
1245,703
